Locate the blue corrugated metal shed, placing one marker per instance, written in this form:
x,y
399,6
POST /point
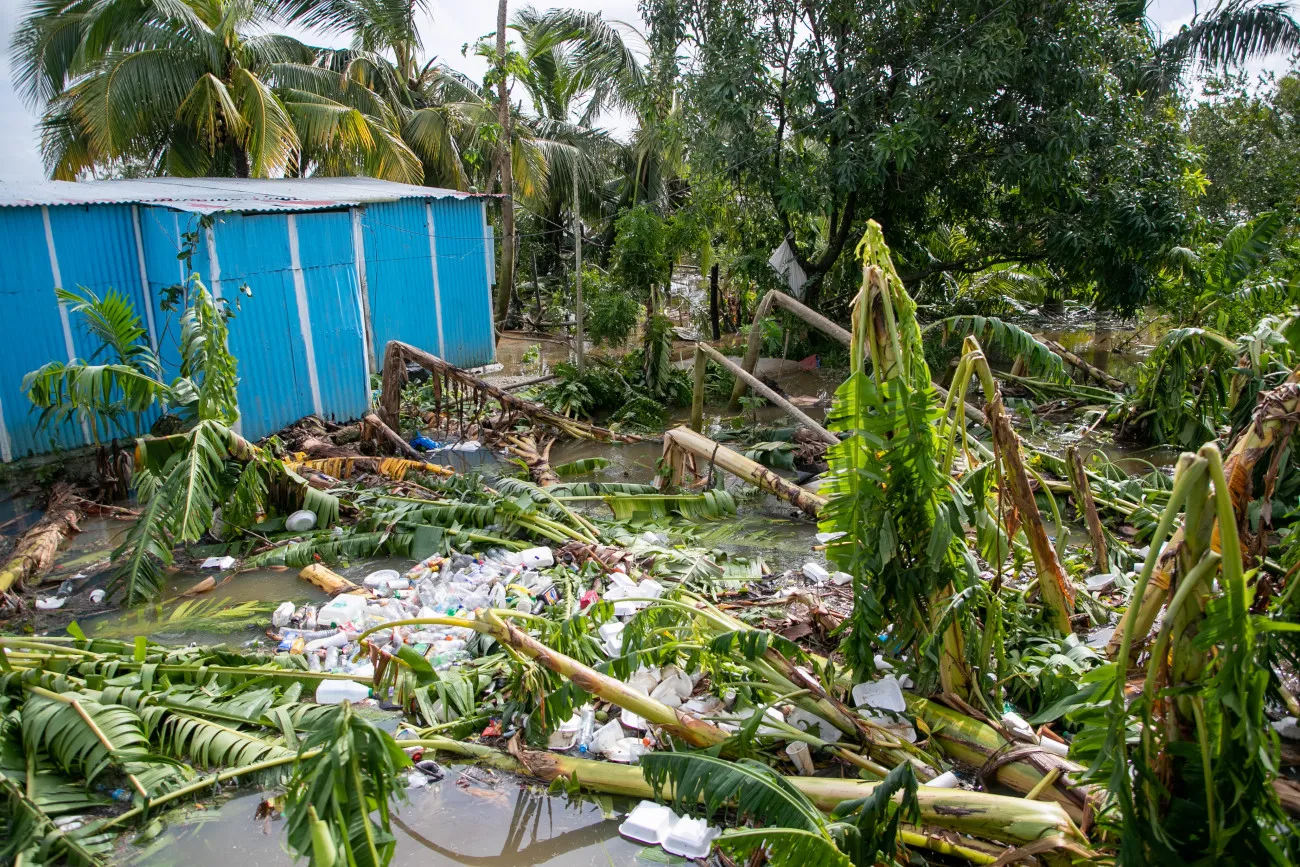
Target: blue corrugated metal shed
x,y
336,267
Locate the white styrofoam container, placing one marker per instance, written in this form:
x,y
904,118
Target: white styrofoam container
x,y
648,823
690,838
883,694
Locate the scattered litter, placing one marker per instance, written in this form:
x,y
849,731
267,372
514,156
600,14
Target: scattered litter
x,y
1057,748
839,579
814,724
801,756
50,603
823,538
1017,725
300,521
946,780
423,444
430,769
648,823
339,691
690,838
218,562
1100,583
1287,728
815,572
883,694
1098,639
97,595
282,615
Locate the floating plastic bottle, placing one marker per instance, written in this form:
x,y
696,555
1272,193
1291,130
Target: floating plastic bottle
x,y
339,691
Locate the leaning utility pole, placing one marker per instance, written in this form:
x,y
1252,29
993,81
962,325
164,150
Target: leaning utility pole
x,y
506,279
580,335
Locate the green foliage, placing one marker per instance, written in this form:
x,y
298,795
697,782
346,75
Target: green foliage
x,y
641,256
612,310
356,776
1182,389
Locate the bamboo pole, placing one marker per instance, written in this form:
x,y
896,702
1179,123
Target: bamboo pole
x,y
697,391
1270,428
37,548
1087,505
757,385
827,327
705,449
753,347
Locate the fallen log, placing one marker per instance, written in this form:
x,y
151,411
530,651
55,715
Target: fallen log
x,y
396,356
816,320
37,548
1093,372
757,385
683,442
997,817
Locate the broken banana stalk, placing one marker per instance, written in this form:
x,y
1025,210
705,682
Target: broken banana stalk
x,y
1008,820
676,722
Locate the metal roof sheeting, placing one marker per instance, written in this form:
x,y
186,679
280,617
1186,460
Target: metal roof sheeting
x,y
211,195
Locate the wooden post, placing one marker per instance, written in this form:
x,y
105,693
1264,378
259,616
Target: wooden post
x,y
744,376
751,351
715,454
537,290
697,395
713,302
1083,498
580,336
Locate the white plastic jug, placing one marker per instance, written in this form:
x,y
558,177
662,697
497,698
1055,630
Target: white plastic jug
x,y
338,691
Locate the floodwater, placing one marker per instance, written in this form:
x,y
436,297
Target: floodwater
x,y
475,816
471,817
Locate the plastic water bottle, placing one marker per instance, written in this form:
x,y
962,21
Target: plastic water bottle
x,y
339,691
332,659
586,728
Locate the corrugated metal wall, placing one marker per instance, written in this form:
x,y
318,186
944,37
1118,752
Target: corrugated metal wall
x,y
300,339
70,246
446,311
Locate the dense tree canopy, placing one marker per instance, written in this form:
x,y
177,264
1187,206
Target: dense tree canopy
x,y
1017,121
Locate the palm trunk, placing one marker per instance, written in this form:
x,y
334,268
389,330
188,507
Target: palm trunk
x,y
505,168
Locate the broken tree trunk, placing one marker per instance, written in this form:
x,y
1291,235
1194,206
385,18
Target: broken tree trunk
x,y
1083,497
537,458
757,385
36,549
1091,371
381,430
1271,427
697,391
397,354
682,441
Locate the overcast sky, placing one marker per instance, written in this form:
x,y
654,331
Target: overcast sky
x,y
451,24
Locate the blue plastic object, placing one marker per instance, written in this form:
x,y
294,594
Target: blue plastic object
x,y
424,444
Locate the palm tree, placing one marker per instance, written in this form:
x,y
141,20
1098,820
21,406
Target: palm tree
x,y
193,87
1231,33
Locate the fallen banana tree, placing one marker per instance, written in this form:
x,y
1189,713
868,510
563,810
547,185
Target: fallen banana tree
x,y
36,549
1267,434
979,817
